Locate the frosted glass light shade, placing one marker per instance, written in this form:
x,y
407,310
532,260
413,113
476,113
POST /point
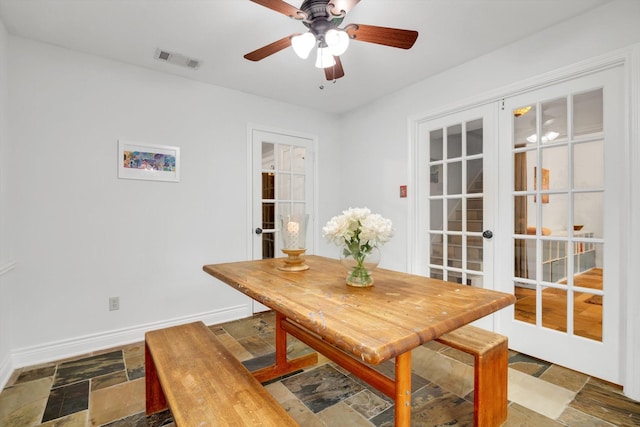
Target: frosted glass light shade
x,y
338,41
325,58
302,44
547,137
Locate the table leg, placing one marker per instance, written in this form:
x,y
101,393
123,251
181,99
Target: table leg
x,y
283,366
281,341
403,390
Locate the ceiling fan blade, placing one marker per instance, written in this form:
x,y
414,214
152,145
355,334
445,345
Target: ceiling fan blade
x,y
269,49
282,7
335,72
393,37
343,5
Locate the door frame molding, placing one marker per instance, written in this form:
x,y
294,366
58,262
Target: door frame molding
x,y
629,59
312,226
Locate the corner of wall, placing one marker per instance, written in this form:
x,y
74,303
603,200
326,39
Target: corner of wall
x,y
6,262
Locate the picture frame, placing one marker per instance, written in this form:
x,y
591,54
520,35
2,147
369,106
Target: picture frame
x,y
545,183
150,162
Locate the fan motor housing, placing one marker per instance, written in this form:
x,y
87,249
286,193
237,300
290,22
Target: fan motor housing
x,y
319,18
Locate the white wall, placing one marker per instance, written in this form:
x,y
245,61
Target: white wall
x,y
85,235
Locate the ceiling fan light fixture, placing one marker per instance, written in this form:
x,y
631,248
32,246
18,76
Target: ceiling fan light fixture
x,y
324,58
302,44
547,137
337,40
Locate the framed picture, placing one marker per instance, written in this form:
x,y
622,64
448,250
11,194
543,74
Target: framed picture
x,y
545,183
148,161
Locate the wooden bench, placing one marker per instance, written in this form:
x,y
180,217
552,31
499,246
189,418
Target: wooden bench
x,y
189,371
490,353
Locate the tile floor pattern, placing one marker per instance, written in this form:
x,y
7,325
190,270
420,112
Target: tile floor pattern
x,y
107,389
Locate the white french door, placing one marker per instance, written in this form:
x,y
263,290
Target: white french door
x,y
561,148
455,197
282,171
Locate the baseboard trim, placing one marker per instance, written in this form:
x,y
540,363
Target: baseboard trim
x,y
6,369
52,351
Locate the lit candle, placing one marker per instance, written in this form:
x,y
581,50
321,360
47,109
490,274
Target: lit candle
x,y
293,228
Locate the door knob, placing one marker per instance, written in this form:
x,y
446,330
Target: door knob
x,y
487,234
258,230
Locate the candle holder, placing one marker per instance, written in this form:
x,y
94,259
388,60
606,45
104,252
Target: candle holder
x,y
293,229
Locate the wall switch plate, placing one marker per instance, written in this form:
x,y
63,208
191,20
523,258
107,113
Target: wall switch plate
x,y
114,303
403,191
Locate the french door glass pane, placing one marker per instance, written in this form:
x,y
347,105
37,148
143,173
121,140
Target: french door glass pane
x,y
454,173
587,160
298,187
454,142
268,159
284,186
555,169
268,185
474,214
554,121
436,141
587,113
524,126
525,256
587,316
435,180
268,216
474,137
285,157
298,159
474,176
526,302
554,308
436,253
454,213
588,214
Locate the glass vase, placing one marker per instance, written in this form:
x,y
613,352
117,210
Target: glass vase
x,y
360,266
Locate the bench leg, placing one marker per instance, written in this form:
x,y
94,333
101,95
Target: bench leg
x,y
155,398
491,377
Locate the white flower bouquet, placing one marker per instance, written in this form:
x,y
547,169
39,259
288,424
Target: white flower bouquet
x,y
358,231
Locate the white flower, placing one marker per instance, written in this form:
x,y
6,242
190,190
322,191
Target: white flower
x,y
376,230
358,229
338,229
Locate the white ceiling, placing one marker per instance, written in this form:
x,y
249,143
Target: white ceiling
x,y
220,32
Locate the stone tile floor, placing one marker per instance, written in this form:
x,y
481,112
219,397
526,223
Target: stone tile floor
x,y
107,389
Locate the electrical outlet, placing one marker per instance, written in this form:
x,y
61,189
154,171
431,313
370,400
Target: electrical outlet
x,y
114,303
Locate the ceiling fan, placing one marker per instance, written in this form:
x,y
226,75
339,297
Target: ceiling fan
x,y
323,18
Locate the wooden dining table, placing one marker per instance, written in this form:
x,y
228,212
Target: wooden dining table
x,y
357,327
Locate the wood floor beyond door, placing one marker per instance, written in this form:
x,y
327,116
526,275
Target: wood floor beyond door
x,y
587,307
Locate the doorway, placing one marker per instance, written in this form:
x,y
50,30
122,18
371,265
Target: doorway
x,y
282,180
551,173
562,147
456,197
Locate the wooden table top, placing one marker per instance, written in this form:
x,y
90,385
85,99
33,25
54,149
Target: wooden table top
x,y
398,313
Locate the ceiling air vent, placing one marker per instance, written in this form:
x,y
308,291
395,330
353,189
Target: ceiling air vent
x,y
176,59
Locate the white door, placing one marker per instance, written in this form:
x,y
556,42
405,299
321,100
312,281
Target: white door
x,y
455,202
561,156
282,183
